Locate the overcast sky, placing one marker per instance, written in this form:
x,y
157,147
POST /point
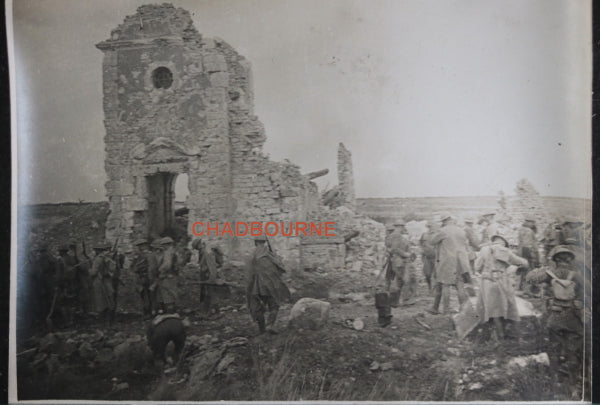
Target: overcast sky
x,y
433,98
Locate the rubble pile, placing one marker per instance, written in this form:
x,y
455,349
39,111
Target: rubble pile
x,y
56,350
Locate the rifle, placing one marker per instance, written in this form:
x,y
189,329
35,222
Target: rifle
x,y
277,260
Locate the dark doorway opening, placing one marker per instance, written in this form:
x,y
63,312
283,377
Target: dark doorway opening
x,y
161,196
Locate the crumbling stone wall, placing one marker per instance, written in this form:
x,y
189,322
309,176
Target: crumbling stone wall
x,y
346,178
177,102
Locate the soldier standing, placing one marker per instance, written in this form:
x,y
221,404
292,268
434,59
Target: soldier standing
x,y
168,275
82,274
564,320
428,252
101,274
473,241
139,264
528,248
208,272
67,284
496,299
400,258
451,263
552,238
265,290
490,227
154,290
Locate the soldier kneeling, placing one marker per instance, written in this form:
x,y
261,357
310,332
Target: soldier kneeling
x,y
163,329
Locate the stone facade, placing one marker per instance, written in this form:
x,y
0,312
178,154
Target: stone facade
x,y
177,102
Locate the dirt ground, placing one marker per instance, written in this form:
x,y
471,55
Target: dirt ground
x,y
405,361
417,357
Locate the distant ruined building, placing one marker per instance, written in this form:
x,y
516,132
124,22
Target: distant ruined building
x,y
176,102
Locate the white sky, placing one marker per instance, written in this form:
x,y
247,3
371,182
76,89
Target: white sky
x,y
433,98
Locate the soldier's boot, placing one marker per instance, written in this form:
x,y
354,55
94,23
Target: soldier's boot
x,y
384,311
498,333
394,300
445,300
271,318
260,320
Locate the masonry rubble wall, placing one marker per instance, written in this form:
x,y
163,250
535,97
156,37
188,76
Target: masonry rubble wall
x,y
201,123
346,178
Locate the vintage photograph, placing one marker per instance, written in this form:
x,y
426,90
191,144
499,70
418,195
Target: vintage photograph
x,y
301,200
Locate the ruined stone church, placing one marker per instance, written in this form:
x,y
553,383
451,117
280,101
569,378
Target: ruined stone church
x,y
177,102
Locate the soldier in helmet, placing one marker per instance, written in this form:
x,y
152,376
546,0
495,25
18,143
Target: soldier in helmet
x,y
400,260
208,272
553,236
140,266
496,300
101,274
490,227
565,316
265,290
168,272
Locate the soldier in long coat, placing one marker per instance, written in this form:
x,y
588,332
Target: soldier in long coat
x,y
139,265
473,241
208,272
400,264
428,252
101,274
168,275
496,300
451,263
265,290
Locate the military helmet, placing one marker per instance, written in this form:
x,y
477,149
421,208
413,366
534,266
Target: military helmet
x,y
102,246
469,220
399,222
500,237
529,218
197,244
260,238
561,249
140,242
572,220
167,240
155,243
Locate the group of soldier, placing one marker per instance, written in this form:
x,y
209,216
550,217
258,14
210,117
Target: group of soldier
x,y
74,283
452,254
59,288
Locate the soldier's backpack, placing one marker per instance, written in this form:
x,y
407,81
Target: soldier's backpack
x,y
564,289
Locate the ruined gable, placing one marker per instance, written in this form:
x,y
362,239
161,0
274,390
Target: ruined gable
x,y
176,102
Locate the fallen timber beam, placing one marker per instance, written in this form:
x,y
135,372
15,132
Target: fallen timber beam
x,y
318,173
